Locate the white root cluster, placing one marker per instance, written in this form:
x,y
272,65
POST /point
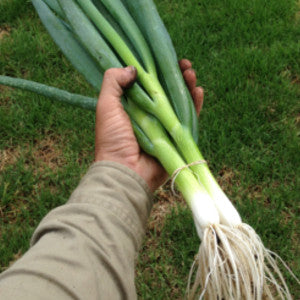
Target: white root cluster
x,y
232,263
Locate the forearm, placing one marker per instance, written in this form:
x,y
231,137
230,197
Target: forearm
x,y
86,249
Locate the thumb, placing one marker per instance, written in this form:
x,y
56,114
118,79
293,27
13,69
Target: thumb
x,y
115,81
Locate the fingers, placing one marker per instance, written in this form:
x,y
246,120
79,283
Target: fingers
x,y
190,78
115,81
184,64
198,96
109,110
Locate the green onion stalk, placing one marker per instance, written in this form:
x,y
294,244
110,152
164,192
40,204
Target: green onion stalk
x,y
232,262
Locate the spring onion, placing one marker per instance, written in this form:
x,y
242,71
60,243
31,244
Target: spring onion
x,y
232,262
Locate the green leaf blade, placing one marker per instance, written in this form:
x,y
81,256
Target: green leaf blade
x,y
53,4
66,41
151,25
50,92
123,17
89,36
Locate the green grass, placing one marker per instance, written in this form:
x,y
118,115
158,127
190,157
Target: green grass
x,y
246,54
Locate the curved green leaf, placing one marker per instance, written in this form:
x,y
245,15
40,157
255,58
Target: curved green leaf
x,y
98,48
120,13
50,92
53,4
146,16
66,41
103,10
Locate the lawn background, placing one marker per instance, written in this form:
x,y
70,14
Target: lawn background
x,y
246,55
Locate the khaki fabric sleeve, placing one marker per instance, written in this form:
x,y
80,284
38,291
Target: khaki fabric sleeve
x,y
86,249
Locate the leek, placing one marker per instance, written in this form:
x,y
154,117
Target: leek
x,y
232,262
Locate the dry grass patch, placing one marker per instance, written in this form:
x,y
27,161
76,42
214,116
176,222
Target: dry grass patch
x,y
5,102
5,98
47,154
12,211
44,154
9,156
4,31
4,88
228,177
164,202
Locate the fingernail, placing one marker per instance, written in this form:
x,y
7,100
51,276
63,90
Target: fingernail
x,y
131,69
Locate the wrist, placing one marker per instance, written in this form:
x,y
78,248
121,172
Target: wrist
x,y
147,177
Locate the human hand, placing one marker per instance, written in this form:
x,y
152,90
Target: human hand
x,y
115,140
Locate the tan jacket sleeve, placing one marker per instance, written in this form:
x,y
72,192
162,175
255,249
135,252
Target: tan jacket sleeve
x,y
86,249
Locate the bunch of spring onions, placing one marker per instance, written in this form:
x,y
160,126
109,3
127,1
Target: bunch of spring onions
x,y
96,35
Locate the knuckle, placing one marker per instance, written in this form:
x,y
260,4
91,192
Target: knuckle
x,y
111,73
